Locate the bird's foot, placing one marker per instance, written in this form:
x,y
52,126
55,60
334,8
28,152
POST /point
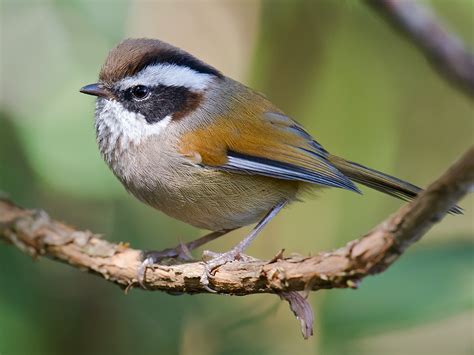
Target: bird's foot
x,y
213,261
235,253
180,252
151,258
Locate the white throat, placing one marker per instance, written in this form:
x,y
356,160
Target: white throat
x,y
117,128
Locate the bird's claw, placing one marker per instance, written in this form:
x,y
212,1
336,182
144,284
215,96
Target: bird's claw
x,y
151,258
141,272
212,261
181,252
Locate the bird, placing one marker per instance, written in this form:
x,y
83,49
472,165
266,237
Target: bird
x,y
207,150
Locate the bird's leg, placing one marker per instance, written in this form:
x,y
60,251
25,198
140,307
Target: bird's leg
x,y
236,252
181,251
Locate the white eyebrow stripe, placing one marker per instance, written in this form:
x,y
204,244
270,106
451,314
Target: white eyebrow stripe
x,y
168,75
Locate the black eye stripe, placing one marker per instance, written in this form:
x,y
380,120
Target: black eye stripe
x,y
160,101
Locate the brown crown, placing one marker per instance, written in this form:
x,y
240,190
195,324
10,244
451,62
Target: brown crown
x,y
133,55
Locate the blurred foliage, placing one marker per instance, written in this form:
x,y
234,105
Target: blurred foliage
x,y
361,89
404,302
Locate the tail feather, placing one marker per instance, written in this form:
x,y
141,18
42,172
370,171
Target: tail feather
x,y
379,181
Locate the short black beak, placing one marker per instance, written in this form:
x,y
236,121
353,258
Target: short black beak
x,y
96,90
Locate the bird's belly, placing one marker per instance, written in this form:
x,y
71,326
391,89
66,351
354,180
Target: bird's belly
x,y
217,200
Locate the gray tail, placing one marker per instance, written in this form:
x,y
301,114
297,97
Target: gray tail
x,y
381,182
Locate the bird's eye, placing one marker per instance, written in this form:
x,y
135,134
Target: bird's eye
x,y
140,92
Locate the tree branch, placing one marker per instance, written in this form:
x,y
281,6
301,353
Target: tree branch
x,y
34,232
443,49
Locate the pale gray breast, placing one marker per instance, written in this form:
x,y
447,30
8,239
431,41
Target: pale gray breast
x,y
206,198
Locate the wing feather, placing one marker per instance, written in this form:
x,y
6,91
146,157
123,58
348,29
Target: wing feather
x,y
254,165
264,143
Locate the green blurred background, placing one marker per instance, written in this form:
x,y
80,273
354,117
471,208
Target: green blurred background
x,y
361,89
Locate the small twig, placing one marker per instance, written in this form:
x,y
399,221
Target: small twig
x,y
302,311
443,49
